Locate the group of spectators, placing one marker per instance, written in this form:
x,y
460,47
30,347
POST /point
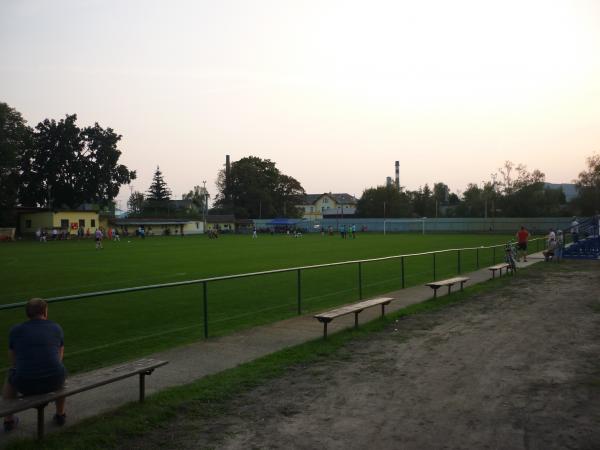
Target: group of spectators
x,y
555,242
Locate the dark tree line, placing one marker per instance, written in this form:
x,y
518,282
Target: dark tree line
x,y
57,164
512,192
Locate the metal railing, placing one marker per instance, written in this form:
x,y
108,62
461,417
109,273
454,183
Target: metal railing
x,y
205,281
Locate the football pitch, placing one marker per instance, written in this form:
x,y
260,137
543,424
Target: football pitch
x,y
108,329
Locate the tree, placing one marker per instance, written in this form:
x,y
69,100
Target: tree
x,y
383,201
423,202
197,196
158,190
135,204
15,138
440,195
256,188
67,166
588,187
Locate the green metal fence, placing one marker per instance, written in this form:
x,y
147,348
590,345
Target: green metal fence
x,y
289,291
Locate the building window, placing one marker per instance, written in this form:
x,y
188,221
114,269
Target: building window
x,y
325,200
64,224
27,223
92,223
81,223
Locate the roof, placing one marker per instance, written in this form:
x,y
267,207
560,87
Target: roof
x,y
220,218
153,221
310,199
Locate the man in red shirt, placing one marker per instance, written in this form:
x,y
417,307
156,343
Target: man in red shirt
x,y
522,238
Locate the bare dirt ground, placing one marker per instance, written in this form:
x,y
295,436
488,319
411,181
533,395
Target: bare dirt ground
x,y
517,368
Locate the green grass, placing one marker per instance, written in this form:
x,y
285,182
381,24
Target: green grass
x,y
208,397
108,329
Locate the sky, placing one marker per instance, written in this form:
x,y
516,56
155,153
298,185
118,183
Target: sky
x,y
332,91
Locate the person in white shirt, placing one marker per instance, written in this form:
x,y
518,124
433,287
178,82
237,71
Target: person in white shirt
x,y
575,229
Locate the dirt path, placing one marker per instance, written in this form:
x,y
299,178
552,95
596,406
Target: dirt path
x,y
515,368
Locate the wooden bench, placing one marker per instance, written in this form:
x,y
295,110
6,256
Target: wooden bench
x,y
356,308
81,383
435,285
499,267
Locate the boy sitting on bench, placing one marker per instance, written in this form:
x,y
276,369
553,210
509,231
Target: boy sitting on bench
x,y
36,350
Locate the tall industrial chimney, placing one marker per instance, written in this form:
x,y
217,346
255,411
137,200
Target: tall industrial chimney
x,y
398,175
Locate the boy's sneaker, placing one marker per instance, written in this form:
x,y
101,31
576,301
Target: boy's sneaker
x,y
59,419
11,424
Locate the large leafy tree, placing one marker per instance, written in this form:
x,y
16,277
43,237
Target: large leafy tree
x,y
588,187
15,138
67,165
135,203
383,201
198,196
256,188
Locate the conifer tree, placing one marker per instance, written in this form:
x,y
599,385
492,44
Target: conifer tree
x,y
158,191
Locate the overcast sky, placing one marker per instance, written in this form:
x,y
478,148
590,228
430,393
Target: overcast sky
x,y
333,91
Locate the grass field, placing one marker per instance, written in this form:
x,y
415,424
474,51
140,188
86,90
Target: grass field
x,y
103,330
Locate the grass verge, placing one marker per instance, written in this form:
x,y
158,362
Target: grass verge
x,y
209,396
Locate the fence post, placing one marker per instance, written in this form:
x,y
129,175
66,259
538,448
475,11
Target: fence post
x,y
433,266
205,302
458,255
360,281
477,256
299,293
402,265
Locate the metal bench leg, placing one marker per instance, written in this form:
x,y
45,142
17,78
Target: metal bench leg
x,y
462,283
382,310
325,330
449,288
356,319
493,274
40,421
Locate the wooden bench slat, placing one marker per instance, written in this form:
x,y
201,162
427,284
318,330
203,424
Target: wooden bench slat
x,y
435,285
447,282
353,308
81,383
356,308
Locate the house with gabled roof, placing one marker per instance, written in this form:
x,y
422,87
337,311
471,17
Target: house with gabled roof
x,y
318,206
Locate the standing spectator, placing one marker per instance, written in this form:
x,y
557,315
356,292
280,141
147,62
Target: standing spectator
x,y
560,245
353,231
54,234
38,234
116,235
575,230
254,233
550,246
36,350
522,239
99,237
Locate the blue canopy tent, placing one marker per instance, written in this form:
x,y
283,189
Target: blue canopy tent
x,y
283,224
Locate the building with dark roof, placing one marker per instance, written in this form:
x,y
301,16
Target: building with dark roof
x,y
318,206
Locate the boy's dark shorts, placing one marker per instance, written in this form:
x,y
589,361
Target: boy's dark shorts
x,y
522,246
37,385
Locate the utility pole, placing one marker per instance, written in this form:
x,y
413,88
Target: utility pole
x,y
205,205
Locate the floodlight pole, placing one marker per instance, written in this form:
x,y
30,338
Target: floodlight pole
x,y
205,208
